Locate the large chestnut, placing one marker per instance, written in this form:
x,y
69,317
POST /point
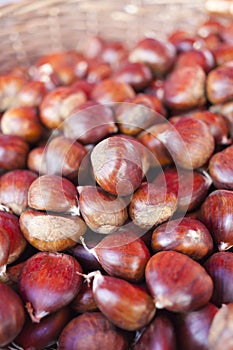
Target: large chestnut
x,y
94,331
12,314
177,283
188,236
189,142
124,304
217,213
13,152
49,281
117,165
51,232
219,84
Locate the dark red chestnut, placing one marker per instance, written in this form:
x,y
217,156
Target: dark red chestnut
x,y
187,236
177,282
219,267
158,55
13,152
84,300
94,331
221,169
217,214
219,84
184,89
54,275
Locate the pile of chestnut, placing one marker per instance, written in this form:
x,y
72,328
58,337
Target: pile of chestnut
x,y
116,196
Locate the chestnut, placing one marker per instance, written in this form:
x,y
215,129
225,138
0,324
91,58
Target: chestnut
x,y
151,205
223,53
44,192
117,165
137,74
12,314
14,186
139,113
114,296
64,157
189,142
177,282
216,214
122,254
190,187
184,88
188,236
111,91
219,84
56,275
13,152
58,104
102,212
84,300
36,160
31,94
51,232
182,40
221,169
192,328
202,57
160,156
22,122
159,334
158,55
92,330
219,267
98,71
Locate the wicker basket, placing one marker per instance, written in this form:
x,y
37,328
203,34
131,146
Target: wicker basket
x,y
31,28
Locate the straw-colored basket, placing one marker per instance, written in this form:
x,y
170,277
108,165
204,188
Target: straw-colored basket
x,y
31,28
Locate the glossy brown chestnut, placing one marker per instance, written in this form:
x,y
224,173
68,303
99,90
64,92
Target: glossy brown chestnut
x,y
221,329
219,84
217,126
98,71
216,213
56,275
187,236
182,40
58,104
159,334
184,88
126,305
190,187
151,205
102,212
53,193
92,330
137,74
226,110
189,142
4,250
41,335
117,165
64,157
160,155
177,283
192,328
111,91
90,123
139,113
51,232
223,53
114,53
13,152
123,254
22,122
219,267
14,187
221,169
12,314
156,54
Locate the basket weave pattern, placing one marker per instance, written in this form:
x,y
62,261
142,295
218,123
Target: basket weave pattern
x,y
30,29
